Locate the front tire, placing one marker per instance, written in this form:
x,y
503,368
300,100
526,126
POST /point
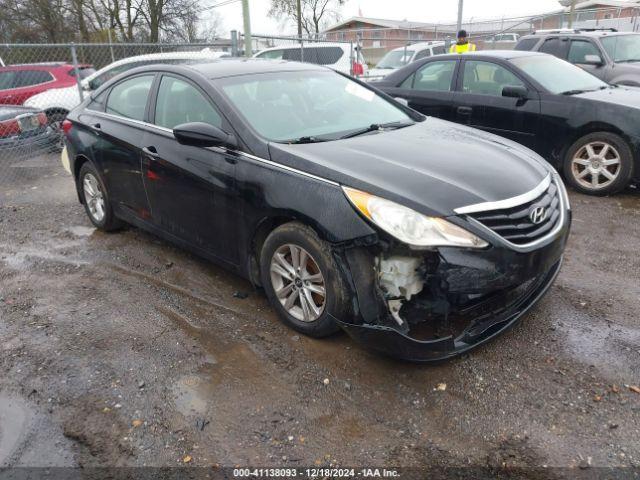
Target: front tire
x,y
599,164
302,281
96,199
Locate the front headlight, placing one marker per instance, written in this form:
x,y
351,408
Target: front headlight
x,y
409,226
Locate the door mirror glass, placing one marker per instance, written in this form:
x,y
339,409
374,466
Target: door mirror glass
x,y
592,60
200,134
403,101
515,91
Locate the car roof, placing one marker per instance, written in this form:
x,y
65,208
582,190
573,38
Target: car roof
x,y
305,45
586,33
490,54
249,66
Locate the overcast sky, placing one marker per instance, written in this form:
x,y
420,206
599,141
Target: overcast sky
x,y
413,10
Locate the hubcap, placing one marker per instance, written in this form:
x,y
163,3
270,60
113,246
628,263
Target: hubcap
x,y
298,282
94,197
596,165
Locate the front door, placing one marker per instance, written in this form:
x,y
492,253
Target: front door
x,y
580,50
191,190
479,103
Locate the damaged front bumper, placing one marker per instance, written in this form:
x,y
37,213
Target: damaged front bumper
x,y
468,297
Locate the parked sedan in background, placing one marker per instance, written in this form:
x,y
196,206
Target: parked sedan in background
x,y
24,131
338,56
421,238
21,82
581,125
399,57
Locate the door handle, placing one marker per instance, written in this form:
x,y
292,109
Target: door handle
x,y
151,151
465,110
96,126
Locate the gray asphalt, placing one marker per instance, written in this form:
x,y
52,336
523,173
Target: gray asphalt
x,y
122,350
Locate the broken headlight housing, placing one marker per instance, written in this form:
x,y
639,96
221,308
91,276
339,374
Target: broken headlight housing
x,y
409,226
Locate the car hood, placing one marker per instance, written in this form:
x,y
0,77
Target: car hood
x,y
12,111
624,96
433,167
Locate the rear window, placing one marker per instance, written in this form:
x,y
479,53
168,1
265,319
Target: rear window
x,y
316,55
527,44
6,79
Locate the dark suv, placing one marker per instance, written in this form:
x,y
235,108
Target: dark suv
x,y
609,55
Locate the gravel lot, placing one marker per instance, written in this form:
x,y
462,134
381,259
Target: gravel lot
x,y
121,350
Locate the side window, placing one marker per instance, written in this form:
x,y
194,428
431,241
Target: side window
x,y
486,78
129,98
98,103
422,54
6,79
527,44
28,78
440,50
435,76
556,47
580,49
180,102
272,55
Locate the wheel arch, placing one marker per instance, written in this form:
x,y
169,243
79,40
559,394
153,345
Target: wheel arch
x,y
78,161
587,129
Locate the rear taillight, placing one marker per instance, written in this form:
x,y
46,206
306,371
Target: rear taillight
x,y
358,69
9,128
66,126
42,119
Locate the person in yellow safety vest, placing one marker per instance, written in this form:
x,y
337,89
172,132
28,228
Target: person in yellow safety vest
x,y
463,45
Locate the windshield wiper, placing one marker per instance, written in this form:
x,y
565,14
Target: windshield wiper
x,y
375,127
302,140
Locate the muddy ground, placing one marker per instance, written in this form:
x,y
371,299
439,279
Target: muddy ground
x,y
122,350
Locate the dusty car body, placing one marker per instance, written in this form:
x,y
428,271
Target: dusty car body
x,y
224,198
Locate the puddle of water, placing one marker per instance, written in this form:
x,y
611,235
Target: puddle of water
x,y
609,348
14,418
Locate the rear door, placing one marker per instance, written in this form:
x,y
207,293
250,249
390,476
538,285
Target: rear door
x,y
556,46
429,90
479,102
191,189
579,50
120,130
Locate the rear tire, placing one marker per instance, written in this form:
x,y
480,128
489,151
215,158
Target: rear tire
x,y
302,281
599,164
96,199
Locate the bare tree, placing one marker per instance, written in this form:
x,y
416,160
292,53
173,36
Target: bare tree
x,y
316,14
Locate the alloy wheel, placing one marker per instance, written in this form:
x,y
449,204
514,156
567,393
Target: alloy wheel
x,y
298,282
596,165
94,197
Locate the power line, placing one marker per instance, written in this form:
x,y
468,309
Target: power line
x,y
220,4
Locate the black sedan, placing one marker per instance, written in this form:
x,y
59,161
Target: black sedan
x,y
581,125
419,237
24,131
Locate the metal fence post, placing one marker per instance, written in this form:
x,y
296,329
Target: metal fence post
x,y
351,61
74,58
234,43
301,50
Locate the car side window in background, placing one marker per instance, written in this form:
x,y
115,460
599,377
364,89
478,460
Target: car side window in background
x,y
580,49
439,50
129,98
180,102
272,54
527,44
6,79
315,55
486,78
28,78
556,47
434,76
422,54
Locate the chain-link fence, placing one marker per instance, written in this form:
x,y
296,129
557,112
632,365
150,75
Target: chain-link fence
x,y
40,84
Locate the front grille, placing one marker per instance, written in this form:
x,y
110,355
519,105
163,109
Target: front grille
x,y
515,224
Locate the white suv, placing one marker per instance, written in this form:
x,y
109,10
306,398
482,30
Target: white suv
x,y
57,102
332,55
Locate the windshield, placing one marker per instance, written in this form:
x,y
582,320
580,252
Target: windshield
x,y
395,59
291,106
556,75
623,48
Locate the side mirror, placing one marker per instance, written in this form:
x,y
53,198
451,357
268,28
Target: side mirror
x,y
593,60
199,134
403,101
515,91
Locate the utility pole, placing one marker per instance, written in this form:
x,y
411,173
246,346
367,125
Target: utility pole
x,y
572,12
460,8
248,44
299,11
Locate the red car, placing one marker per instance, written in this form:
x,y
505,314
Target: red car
x,y
19,82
